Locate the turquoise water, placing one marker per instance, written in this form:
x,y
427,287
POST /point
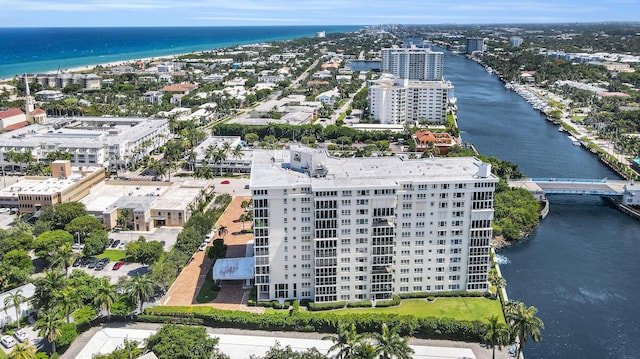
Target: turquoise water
x,y
30,50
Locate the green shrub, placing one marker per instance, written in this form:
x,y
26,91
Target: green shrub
x,y
439,294
251,303
431,328
68,332
362,304
265,304
388,303
313,306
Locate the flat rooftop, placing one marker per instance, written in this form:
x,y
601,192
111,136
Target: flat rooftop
x,y
359,171
106,193
89,132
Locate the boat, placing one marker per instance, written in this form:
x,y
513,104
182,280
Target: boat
x,y
561,129
574,140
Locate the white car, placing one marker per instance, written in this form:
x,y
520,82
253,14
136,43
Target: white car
x,y
203,246
21,335
207,239
8,341
122,245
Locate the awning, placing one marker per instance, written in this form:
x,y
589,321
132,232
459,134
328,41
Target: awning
x,y
234,268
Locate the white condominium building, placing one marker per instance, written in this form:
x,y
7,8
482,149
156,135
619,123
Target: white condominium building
x,y
398,101
413,63
349,229
90,141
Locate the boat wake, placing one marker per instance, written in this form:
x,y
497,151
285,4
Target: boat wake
x,y
502,260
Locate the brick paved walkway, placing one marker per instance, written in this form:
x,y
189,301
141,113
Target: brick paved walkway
x,y
186,287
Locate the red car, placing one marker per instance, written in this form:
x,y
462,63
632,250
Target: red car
x,y
225,182
118,265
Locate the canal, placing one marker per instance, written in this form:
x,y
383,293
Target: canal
x,y
579,267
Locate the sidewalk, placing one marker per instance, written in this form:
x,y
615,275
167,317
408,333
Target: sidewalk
x,y
184,290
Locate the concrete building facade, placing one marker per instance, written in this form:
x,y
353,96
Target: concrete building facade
x,y
475,44
397,101
413,63
350,229
91,141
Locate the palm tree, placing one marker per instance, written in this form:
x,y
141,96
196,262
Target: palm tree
x,y
48,326
344,341
139,289
245,205
23,351
496,281
63,258
391,345
222,231
67,300
365,350
237,152
243,218
524,323
105,296
124,217
15,298
497,334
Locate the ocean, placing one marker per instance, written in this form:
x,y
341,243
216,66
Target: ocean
x,y
31,50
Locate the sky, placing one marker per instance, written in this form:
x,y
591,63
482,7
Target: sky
x,y
109,13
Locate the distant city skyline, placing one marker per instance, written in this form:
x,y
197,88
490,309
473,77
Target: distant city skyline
x,y
107,13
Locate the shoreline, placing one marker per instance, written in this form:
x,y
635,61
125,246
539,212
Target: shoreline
x,y
132,55
128,61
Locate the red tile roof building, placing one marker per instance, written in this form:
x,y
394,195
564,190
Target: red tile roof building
x,y
442,141
11,119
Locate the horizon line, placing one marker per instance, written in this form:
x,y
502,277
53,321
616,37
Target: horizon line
x,y
333,25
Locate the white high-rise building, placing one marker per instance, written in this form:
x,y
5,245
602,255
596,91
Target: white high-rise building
x,y
515,41
413,63
398,101
348,229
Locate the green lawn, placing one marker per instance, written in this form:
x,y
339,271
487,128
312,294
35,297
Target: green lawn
x,y
456,308
208,291
114,255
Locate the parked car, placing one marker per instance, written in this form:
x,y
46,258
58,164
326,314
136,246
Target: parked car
x,y
102,263
21,335
77,246
163,243
8,341
207,239
111,240
77,262
225,182
122,244
92,263
115,243
203,246
118,265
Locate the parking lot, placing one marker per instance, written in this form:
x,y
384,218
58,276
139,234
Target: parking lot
x,y
166,234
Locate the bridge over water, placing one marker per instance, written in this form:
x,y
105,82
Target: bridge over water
x,y
541,187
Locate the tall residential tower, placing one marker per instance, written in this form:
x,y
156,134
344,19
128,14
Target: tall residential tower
x,y
413,63
349,229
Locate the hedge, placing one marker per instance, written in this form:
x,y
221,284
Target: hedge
x,y
362,304
430,328
440,294
313,306
388,303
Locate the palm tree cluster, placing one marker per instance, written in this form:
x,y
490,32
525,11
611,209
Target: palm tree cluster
x,y
349,344
59,297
